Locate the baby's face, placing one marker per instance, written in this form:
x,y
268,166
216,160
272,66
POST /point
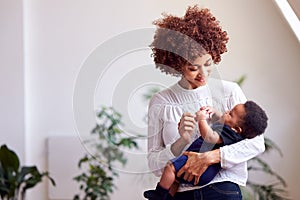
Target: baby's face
x,y
234,116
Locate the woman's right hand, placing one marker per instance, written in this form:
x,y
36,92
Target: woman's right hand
x,y
187,126
197,163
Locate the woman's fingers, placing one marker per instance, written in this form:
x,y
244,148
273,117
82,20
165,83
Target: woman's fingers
x,y
188,120
186,126
190,177
186,176
194,166
187,117
197,178
182,170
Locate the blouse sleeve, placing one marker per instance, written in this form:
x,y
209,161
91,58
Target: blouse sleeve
x,y
246,149
241,151
158,152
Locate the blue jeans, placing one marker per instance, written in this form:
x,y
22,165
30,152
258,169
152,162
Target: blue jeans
x,y
216,191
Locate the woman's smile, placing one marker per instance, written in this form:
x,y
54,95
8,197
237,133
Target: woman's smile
x,y
200,79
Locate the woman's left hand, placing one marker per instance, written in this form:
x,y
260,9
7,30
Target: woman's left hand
x,y
196,164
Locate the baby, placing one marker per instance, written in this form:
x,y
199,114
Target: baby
x,y
243,121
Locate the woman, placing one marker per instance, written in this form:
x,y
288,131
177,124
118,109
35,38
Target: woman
x,y
189,47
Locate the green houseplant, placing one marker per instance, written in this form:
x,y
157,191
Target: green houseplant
x,y
97,181
14,179
276,190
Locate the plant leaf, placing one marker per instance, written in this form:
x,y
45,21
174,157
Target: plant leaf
x,y
9,159
241,80
150,93
267,169
270,145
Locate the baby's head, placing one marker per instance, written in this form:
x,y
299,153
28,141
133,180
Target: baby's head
x,y
255,120
248,119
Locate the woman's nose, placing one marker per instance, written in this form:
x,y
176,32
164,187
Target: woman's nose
x,y
200,70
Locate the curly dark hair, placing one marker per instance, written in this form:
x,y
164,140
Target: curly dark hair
x,y
254,121
180,40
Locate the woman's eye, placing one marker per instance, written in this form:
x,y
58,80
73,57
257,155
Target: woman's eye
x,y
193,69
208,64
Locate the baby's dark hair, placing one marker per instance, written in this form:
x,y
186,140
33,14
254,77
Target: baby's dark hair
x,y
255,120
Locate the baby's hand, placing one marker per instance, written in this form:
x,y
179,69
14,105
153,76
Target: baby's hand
x,y
201,115
212,113
209,111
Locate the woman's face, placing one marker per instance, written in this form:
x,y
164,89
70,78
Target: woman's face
x,y
197,73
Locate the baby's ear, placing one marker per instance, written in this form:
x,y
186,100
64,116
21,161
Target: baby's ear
x,y
238,129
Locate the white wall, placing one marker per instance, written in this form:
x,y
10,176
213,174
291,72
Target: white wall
x,y
12,76
60,35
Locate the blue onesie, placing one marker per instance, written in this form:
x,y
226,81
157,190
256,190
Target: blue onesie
x,y
228,137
